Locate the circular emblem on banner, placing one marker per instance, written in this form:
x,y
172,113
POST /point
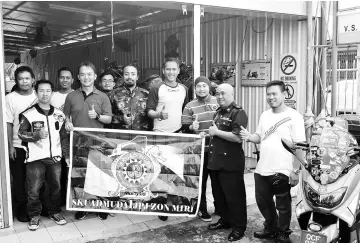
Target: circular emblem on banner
x,y
134,170
288,65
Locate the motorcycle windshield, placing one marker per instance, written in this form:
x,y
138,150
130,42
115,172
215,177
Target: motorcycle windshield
x,y
331,157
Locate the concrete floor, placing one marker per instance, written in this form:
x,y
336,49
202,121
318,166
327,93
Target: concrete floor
x,y
195,231
91,228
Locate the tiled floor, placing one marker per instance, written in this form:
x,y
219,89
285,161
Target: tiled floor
x,y
92,228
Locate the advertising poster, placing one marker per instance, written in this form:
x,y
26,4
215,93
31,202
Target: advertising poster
x,y
256,72
146,173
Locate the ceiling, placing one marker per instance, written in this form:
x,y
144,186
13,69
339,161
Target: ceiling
x,y
36,25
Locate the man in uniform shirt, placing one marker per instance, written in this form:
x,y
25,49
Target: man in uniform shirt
x,y
87,107
197,118
226,164
129,103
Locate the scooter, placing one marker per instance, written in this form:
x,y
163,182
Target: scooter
x,y
328,201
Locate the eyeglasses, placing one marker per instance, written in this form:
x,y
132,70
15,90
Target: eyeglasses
x,y
107,81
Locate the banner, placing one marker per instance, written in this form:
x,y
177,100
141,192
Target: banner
x,y
146,173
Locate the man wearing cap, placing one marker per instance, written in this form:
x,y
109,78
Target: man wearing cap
x,y
197,118
226,164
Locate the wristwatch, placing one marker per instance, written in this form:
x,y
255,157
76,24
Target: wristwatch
x,y
97,117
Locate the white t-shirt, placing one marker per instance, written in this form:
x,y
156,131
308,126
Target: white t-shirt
x,y
15,104
58,100
274,158
167,99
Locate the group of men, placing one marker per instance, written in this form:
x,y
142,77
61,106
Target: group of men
x,y
40,120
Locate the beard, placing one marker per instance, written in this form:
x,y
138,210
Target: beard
x,y
129,85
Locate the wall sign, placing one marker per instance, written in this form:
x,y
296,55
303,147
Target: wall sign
x,y
256,72
223,73
348,26
290,76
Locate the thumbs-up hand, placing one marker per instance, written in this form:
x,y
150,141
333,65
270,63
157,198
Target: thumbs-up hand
x,y
213,130
244,134
92,113
195,124
43,133
164,114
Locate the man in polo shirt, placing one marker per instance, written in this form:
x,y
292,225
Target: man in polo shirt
x,y
166,102
197,118
87,107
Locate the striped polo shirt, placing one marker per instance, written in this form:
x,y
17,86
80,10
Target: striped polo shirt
x,y
203,110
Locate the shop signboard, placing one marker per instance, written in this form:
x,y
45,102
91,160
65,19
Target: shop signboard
x,y
290,76
256,72
348,27
135,172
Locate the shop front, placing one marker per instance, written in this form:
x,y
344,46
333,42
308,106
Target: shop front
x,y
245,46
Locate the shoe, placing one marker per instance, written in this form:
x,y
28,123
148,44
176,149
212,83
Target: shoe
x,y
22,217
80,215
265,234
235,235
102,216
204,215
34,223
163,218
217,226
58,219
283,237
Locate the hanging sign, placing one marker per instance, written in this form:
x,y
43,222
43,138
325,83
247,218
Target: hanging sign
x,y
290,76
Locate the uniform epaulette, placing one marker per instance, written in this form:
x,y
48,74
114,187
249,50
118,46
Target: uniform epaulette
x,y
238,107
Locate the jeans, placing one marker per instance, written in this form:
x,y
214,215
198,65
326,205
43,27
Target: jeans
x,y
37,173
203,203
275,185
64,180
18,172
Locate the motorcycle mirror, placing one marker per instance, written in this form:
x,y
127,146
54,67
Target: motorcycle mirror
x,y
288,145
291,147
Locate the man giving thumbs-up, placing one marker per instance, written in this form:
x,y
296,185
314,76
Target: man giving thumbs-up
x,y
226,164
87,107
